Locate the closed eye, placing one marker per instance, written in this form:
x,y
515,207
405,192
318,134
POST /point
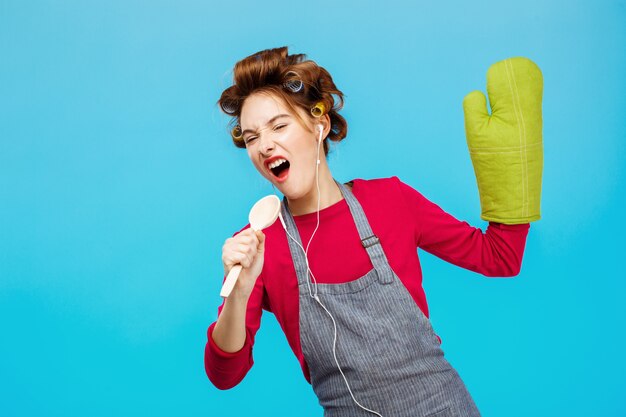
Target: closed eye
x,y
251,138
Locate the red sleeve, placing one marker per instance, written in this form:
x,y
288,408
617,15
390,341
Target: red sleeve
x,y
496,253
224,369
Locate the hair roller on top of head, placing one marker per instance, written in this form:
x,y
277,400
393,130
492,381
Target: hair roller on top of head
x,y
294,85
318,110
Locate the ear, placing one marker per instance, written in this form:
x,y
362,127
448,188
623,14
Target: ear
x,y
324,120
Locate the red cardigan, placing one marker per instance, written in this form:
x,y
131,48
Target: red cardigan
x,y
403,219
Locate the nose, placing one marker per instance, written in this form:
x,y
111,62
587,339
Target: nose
x,y
266,145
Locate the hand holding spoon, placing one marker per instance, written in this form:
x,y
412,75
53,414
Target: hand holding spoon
x,y
263,214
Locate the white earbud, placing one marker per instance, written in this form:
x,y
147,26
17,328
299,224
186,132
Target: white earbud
x,y
319,141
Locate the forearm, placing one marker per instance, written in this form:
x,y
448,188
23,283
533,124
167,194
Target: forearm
x,y
496,253
228,352
229,333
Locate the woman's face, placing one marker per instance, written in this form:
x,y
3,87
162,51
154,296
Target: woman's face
x,y
273,134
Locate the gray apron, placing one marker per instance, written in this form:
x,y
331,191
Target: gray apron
x,y
386,346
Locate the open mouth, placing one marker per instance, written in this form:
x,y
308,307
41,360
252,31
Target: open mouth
x,y
279,168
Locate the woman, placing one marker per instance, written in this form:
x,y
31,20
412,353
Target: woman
x,y
342,275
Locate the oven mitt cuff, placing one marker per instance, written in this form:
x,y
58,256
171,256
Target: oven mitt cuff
x,y
506,147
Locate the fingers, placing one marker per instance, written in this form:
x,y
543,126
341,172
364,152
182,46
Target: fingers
x,y
247,237
244,259
243,248
238,253
261,246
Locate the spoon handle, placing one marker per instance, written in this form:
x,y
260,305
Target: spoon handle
x,y
230,281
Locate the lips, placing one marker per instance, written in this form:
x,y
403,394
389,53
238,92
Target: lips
x,y
268,161
278,167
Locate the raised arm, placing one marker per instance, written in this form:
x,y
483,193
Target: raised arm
x,y
506,148
496,253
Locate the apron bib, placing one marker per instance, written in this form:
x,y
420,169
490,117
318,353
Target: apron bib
x,y
386,346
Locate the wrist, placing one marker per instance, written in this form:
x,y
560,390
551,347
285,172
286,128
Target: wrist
x,y
239,296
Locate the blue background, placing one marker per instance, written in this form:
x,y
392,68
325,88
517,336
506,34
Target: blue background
x,y
119,185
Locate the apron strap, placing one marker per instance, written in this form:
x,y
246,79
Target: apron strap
x,y
369,240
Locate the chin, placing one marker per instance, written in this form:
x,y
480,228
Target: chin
x,y
292,192
295,188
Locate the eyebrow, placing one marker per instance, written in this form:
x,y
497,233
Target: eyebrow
x,y
273,119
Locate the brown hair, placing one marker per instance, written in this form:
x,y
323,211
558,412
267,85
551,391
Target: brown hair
x,y
268,71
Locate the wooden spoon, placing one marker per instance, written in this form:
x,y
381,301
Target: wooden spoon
x,y
263,214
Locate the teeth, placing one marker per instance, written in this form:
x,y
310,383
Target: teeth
x,y
276,163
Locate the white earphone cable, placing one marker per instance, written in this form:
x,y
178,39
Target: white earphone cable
x,y
314,295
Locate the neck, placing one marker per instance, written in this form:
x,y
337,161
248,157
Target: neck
x,y
330,194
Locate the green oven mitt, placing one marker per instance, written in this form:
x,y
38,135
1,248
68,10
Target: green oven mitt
x,y
506,147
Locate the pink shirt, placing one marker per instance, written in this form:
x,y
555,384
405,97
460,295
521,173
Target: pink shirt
x,y
403,219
